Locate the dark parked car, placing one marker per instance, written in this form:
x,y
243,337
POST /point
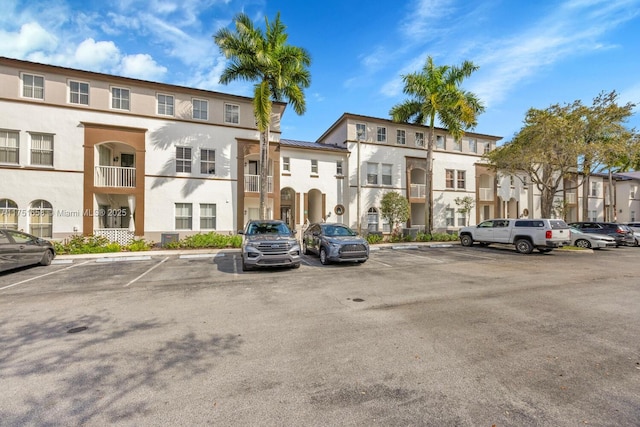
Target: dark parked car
x,y
18,249
334,242
621,233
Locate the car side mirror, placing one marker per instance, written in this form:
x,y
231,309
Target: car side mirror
x,y
294,232
240,231
315,234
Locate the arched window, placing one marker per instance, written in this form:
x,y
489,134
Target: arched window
x,y
372,219
8,214
41,218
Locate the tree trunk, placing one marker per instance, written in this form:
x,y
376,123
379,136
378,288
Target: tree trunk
x,y
264,173
428,191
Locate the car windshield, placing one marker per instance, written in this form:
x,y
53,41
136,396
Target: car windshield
x,y
337,230
268,228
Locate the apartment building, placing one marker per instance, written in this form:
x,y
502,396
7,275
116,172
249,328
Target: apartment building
x,y
90,153
84,152
388,156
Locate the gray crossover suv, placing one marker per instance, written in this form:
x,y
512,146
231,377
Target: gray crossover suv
x,y
269,243
335,243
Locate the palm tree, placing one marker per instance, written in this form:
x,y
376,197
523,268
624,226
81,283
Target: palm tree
x,y
435,93
279,69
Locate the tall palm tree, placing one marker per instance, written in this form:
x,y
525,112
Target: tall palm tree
x,y
435,93
279,70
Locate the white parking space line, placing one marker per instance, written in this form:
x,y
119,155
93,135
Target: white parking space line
x,y
479,256
379,262
235,264
146,272
126,258
196,256
42,275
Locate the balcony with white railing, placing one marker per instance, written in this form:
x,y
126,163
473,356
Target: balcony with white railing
x,y
417,191
115,176
486,194
252,184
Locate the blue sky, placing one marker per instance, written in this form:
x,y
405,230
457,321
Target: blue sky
x,y
530,54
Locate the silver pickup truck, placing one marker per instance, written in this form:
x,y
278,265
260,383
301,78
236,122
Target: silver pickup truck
x,y
525,234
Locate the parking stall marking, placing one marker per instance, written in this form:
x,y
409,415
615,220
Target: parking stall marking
x,y
42,275
146,272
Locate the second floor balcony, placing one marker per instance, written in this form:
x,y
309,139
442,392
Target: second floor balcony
x,y
417,191
486,194
115,176
252,184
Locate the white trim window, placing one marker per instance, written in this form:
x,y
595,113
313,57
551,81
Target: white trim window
x,y
387,174
8,214
32,86
440,142
457,145
462,219
462,180
381,134
401,137
286,164
120,98
41,149
78,92
361,131
207,216
200,109
183,159
450,217
419,139
449,182
473,145
184,216
372,173
594,190
207,161
487,147
9,147
165,104
41,218
372,219
232,113
314,167
339,171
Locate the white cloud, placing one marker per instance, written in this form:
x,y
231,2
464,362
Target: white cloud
x,y
30,38
94,55
141,66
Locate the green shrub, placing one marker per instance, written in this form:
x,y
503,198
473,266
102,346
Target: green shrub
x,y
423,237
78,244
138,245
207,240
374,238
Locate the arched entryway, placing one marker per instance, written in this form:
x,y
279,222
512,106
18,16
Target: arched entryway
x,y
315,206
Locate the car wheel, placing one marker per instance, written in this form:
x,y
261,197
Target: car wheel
x,y
323,256
636,242
583,243
46,258
466,240
524,246
305,249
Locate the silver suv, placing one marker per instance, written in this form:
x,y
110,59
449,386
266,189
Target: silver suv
x,y
269,243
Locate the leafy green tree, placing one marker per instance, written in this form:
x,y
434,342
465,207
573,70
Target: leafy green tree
x,y
607,143
279,69
435,93
395,209
466,204
562,140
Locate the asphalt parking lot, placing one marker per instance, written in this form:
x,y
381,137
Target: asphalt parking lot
x,y
415,336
